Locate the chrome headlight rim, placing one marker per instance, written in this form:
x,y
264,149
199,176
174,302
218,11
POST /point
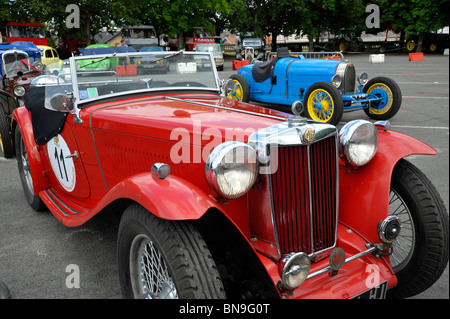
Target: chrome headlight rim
x,y
358,142
218,165
363,78
19,90
38,65
336,81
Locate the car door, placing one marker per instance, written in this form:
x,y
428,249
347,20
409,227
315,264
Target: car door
x,y
67,173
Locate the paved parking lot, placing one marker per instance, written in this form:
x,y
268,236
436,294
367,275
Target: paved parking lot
x,y
38,255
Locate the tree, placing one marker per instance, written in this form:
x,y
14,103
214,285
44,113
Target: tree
x,y
174,17
416,16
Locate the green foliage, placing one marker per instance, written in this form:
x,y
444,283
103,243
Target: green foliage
x,y
415,15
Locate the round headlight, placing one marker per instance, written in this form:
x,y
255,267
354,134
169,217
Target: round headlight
x,y
294,269
38,65
336,81
231,169
363,78
19,90
358,142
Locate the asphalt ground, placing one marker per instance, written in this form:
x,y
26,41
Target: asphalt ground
x,y
39,257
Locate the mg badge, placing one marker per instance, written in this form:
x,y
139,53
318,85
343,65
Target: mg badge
x,y
309,134
337,260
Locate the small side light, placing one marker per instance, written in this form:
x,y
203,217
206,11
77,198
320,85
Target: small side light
x,y
294,269
389,229
160,170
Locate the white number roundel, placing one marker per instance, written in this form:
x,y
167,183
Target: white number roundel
x,y
62,165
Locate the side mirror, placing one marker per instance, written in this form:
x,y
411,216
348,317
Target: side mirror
x,y
60,102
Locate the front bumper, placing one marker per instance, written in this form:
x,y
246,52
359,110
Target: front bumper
x,y
361,272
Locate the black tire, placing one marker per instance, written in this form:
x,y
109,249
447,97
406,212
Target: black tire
x,y
337,104
184,261
5,136
25,173
419,264
242,89
392,91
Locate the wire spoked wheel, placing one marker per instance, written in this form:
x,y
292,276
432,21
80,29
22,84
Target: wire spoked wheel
x,y
162,259
420,253
404,245
150,278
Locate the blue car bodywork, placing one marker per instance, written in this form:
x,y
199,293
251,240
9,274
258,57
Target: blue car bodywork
x,y
326,86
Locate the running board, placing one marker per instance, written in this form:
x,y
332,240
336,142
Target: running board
x,y
62,210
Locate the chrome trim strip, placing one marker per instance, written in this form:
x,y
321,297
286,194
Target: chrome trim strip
x,y
50,197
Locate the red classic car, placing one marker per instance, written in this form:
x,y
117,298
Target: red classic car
x,y
224,199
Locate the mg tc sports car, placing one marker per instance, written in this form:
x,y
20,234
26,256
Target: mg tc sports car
x,y
327,86
224,199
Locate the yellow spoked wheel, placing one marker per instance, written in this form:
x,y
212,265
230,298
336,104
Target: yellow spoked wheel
x,y
324,103
237,93
384,92
237,88
386,98
320,105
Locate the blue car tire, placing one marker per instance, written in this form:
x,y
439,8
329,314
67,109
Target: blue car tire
x,y
241,90
391,98
323,103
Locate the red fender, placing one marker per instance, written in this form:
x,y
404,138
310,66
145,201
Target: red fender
x,y
21,120
364,192
172,198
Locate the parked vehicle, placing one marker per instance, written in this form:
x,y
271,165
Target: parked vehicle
x,y
151,63
100,64
48,54
251,49
225,199
216,50
17,73
140,36
25,32
327,86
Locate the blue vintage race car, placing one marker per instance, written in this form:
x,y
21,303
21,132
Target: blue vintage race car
x,y
326,86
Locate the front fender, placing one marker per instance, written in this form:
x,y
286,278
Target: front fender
x,y
364,192
21,120
172,198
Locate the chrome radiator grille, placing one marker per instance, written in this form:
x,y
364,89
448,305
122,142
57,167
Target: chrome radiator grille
x,y
349,79
304,197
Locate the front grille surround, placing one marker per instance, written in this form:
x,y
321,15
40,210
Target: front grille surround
x,y
297,216
347,72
